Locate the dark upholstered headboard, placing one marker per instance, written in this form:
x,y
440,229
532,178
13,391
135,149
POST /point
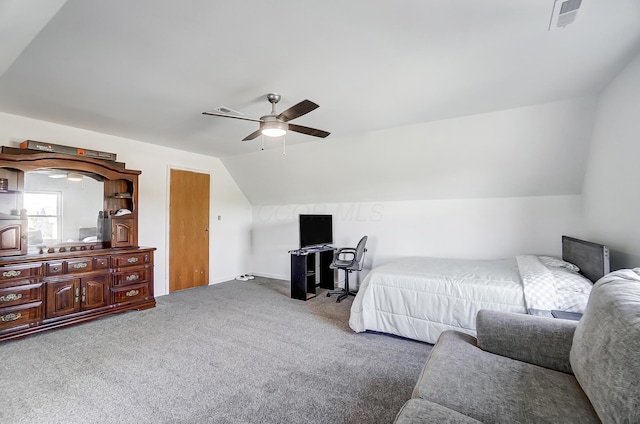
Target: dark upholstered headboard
x,y
591,258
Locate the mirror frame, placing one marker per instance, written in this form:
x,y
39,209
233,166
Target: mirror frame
x,y
14,166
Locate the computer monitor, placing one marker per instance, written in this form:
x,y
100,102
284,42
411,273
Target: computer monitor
x,y
315,230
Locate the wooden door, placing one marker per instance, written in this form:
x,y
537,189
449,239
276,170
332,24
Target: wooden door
x,y
188,229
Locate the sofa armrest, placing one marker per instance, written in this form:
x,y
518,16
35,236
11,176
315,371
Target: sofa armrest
x,y
537,340
421,411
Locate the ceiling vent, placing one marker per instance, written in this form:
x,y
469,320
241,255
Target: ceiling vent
x,y
564,12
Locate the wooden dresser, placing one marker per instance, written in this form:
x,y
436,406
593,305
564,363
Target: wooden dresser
x,y
74,261
37,294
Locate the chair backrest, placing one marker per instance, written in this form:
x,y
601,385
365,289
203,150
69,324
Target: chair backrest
x,y
360,249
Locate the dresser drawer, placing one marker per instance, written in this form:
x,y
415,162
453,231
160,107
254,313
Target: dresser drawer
x,y
20,315
14,272
54,268
79,265
135,293
101,262
20,294
131,259
128,276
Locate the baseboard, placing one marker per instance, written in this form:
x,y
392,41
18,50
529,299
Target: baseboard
x,y
221,280
273,276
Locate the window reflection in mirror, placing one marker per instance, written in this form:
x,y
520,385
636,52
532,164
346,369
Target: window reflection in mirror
x,y
62,207
44,218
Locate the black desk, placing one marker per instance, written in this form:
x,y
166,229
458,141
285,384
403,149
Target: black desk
x,y
303,271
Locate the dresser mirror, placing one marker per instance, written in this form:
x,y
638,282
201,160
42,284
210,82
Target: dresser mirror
x,y
56,203
62,207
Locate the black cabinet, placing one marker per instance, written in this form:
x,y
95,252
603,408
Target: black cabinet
x,y
306,276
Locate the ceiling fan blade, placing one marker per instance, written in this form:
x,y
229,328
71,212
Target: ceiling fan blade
x,y
308,131
224,115
252,135
295,111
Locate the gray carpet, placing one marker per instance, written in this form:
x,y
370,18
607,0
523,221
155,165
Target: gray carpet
x,y
236,352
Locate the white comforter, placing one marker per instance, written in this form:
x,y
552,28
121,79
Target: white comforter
x,y
419,298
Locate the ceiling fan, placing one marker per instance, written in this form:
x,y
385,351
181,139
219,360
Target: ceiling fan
x,y
277,124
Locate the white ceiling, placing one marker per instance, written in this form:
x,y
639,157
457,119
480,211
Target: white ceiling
x,y
147,69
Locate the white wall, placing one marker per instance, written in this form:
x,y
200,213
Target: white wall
x,y
612,181
229,242
471,228
484,186
537,150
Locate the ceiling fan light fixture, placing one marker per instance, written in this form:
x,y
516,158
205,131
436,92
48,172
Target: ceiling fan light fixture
x,y
57,176
274,128
273,132
74,177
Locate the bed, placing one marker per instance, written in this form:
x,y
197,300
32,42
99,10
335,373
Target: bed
x,y
420,297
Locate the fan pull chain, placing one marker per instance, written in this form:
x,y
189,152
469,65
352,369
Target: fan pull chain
x,y
284,145
262,142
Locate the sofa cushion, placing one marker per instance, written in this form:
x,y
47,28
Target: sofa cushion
x,y
420,411
497,389
605,355
529,338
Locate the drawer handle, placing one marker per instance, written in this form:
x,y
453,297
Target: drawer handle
x,y
132,277
10,317
132,260
11,273
132,293
10,297
80,265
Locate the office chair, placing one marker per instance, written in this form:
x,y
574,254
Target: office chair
x,y
348,265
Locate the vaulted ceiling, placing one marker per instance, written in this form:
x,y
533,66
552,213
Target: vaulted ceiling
x,y
147,69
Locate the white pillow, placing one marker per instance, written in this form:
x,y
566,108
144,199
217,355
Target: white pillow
x,y
572,290
571,281
557,263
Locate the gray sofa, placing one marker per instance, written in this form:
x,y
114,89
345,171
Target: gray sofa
x,y
531,369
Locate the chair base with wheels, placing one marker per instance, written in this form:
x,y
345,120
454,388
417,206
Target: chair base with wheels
x,y
348,265
343,293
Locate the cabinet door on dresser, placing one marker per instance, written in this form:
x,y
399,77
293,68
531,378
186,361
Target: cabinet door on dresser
x,y
95,291
12,237
63,297
123,232
70,295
